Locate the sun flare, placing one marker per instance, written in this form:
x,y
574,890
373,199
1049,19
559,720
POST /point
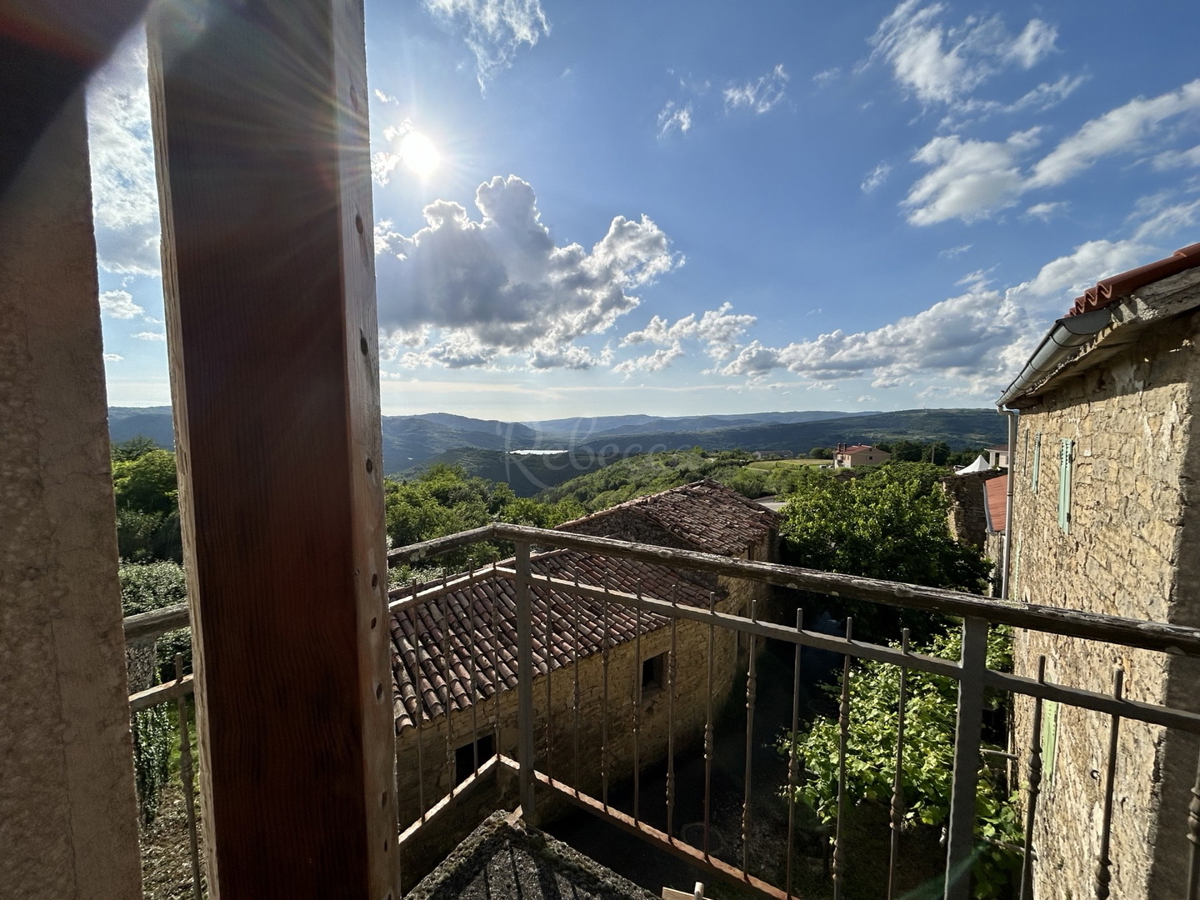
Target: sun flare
x,y
419,154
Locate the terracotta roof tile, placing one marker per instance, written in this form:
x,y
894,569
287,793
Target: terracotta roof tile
x,y
480,637
996,493
705,514
1110,290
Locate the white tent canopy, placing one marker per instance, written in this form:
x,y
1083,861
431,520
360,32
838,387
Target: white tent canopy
x,y
980,465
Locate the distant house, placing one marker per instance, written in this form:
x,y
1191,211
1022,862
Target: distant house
x,y
454,656
773,454
998,456
1106,519
847,456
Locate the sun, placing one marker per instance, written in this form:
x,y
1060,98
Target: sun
x,y
419,154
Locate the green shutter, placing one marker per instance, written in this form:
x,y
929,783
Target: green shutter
x,y
1066,452
1037,461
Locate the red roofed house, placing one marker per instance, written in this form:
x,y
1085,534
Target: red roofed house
x,y
459,651
847,456
1105,518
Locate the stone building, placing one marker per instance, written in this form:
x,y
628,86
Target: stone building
x,y
1104,519
977,513
477,625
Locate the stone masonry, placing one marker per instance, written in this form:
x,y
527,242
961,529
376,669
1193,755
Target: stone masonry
x,y
1129,550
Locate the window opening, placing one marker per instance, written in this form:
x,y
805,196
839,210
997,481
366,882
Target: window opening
x,y
465,757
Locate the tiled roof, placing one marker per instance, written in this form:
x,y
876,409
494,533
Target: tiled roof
x,y
858,448
996,493
1117,287
706,514
481,627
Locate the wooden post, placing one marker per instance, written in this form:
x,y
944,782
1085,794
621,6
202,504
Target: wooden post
x,y
260,126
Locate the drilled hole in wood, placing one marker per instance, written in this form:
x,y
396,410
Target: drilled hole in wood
x,y
373,621
370,466
358,225
362,343
379,692
383,799
375,579
386,844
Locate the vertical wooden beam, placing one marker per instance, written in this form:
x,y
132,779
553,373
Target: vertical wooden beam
x,y
260,123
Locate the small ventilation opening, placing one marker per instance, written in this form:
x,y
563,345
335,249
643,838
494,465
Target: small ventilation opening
x,y
652,672
469,754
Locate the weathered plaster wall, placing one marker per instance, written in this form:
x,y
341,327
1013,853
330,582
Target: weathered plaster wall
x,y
1127,553
68,815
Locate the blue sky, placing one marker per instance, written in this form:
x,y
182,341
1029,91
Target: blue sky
x,y
679,208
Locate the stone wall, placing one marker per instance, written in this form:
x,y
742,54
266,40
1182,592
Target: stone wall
x,y
624,673
1132,418
968,518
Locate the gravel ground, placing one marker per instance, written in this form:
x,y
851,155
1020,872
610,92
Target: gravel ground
x,y
166,858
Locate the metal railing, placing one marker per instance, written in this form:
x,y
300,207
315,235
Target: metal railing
x,y
970,672
146,628
558,777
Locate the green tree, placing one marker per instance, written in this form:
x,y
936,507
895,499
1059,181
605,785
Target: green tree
x,y
145,487
133,448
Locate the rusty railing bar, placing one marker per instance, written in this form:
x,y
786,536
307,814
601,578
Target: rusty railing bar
x,y
1069,622
751,696
156,622
419,714
575,687
1104,862
792,754
525,684
437,546
964,780
448,706
185,778
637,712
496,664
441,587
671,673
476,694
1035,785
839,843
897,811
708,727
548,655
604,748
1193,836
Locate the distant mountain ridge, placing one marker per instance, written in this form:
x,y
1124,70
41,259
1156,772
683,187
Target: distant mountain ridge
x,y
415,440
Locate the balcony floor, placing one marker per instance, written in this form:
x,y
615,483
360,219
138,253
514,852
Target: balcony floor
x,y
509,859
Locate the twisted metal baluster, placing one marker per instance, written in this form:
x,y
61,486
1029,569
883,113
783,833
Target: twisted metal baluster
x,y
185,778
548,653
604,718
1035,786
839,843
575,689
475,694
1104,864
792,754
671,672
751,696
446,678
419,714
496,652
708,724
637,706
898,774
1193,888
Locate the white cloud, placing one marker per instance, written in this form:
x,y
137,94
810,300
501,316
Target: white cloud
x,y
493,29
941,63
653,362
124,190
384,98
1161,219
119,305
958,337
821,79
113,357
501,285
674,118
1045,96
1032,45
876,177
761,95
384,162
1121,130
718,330
569,357
150,336
951,252
1178,159
1071,275
969,179
1045,211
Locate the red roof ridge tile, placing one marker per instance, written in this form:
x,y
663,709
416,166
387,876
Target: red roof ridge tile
x,y
1116,287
